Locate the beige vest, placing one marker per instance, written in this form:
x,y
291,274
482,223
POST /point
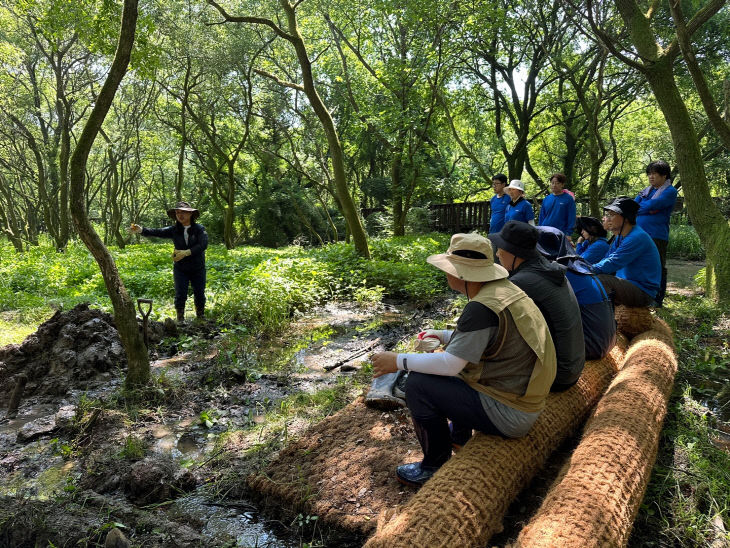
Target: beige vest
x,y
515,311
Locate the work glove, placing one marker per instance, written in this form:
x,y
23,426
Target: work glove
x,y
135,229
429,340
180,254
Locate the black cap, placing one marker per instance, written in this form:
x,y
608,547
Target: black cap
x,y
518,238
624,206
552,243
591,225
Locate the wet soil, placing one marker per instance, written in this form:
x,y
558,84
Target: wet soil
x,y
166,466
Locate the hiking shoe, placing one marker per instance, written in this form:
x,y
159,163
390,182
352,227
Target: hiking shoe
x,y
414,474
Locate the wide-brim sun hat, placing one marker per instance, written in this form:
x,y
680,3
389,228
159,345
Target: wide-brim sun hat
x,y
624,206
183,206
464,267
591,225
516,183
517,238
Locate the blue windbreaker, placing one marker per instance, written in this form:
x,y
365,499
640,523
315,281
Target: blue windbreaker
x,y
559,212
634,258
653,215
592,252
521,210
498,207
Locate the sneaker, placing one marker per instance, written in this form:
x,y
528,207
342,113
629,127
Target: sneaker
x,y
414,474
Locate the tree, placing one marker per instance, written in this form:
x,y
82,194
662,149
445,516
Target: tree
x,y
291,33
125,316
656,63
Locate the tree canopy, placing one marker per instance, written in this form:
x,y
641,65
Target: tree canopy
x,y
282,120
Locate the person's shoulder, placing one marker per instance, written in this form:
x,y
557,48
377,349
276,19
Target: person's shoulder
x,y
476,316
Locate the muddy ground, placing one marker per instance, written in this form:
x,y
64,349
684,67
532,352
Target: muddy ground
x,y
166,466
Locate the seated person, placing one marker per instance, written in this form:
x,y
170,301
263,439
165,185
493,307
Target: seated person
x,y
495,373
596,309
546,284
632,257
592,244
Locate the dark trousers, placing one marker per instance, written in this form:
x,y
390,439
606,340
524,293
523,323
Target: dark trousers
x,y
183,279
624,292
433,400
661,246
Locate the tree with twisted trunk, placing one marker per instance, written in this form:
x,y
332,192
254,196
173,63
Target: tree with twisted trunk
x,y
125,316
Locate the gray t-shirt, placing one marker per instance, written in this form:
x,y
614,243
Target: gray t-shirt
x,y
470,346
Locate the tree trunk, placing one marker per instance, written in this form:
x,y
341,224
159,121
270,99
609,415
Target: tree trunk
x,y
349,211
711,225
124,313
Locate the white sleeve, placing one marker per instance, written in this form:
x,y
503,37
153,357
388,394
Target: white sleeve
x,y
438,363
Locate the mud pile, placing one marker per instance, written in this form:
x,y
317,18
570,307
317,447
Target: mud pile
x,y
68,350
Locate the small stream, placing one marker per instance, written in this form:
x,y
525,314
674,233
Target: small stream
x,y
45,464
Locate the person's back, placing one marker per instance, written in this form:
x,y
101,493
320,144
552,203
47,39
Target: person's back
x,y
596,308
546,284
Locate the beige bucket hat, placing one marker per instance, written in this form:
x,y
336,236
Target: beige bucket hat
x,y
464,259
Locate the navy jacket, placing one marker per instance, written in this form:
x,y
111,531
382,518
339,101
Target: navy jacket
x,y
546,284
197,244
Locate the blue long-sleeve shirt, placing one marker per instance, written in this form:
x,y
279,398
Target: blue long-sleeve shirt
x,y
559,212
653,215
498,207
592,251
634,258
521,210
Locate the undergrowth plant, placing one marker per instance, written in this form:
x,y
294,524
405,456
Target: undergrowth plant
x,y
259,288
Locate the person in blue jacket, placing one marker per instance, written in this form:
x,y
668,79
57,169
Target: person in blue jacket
x,y
558,207
499,202
632,257
656,203
518,209
592,244
596,308
191,241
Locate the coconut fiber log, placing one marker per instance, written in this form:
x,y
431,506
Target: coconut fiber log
x,y
596,497
466,500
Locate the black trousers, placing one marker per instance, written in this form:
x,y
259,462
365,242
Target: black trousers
x,y
624,292
661,246
183,279
435,399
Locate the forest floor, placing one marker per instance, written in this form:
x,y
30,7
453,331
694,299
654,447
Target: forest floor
x,y
167,466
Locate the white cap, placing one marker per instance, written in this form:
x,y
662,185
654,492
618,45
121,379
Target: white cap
x,y
516,183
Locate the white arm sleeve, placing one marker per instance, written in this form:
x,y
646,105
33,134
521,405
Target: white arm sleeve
x,y
439,363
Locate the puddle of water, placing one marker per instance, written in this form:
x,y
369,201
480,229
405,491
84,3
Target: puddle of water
x,y
26,415
233,520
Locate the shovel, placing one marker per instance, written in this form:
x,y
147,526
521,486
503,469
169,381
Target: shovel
x,y
145,316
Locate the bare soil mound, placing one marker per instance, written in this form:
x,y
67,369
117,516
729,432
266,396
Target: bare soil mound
x,y
66,350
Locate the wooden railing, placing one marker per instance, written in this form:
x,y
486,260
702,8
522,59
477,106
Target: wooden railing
x,y
469,216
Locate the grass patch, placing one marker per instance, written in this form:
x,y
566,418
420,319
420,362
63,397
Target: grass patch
x,y
684,243
256,287
690,483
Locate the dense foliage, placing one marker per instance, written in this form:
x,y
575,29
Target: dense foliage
x,y
257,287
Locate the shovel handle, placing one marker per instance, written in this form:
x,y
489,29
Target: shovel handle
x,y
148,302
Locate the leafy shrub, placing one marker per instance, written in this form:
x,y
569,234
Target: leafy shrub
x,y
684,243
260,288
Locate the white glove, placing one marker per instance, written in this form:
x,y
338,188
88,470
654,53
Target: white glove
x,y
135,229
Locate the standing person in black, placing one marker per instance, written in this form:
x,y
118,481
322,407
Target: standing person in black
x,y
546,284
191,241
